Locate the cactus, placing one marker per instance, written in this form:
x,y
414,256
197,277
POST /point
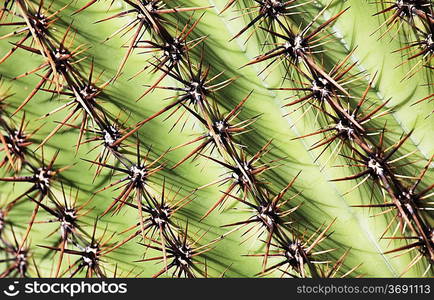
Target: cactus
x,y
240,138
